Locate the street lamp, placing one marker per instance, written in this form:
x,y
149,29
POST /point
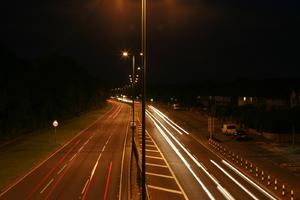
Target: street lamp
x,y
126,54
55,124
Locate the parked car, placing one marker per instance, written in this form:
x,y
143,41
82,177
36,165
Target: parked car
x,y
229,129
239,136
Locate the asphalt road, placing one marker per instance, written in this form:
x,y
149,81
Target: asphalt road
x,y
200,173
91,166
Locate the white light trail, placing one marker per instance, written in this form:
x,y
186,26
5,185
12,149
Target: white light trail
x,y
234,180
248,180
221,189
182,158
163,116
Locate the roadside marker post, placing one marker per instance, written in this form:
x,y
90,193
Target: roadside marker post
x,y
283,190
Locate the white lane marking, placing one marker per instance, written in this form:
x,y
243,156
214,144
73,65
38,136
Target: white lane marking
x,y
170,169
61,169
156,165
234,180
225,194
159,175
54,153
73,157
79,150
85,185
43,190
122,165
165,117
154,157
182,158
165,189
96,164
150,150
248,180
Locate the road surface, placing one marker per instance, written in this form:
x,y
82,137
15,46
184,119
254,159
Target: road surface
x,y
198,171
90,166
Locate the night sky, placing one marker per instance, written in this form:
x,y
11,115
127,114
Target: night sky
x,y
188,40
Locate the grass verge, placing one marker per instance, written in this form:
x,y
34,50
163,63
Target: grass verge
x,y
20,156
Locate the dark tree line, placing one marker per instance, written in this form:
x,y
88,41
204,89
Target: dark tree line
x,y
277,121
32,94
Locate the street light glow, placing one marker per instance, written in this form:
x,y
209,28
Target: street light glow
x,y
125,54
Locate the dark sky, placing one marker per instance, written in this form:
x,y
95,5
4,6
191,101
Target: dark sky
x,y
189,40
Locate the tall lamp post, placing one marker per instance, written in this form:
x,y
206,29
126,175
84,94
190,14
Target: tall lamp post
x,y
144,66
126,54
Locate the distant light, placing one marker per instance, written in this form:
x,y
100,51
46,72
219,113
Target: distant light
x,y
245,98
55,123
139,68
141,54
125,54
151,100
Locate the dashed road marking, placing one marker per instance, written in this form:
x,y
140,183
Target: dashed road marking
x,y
159,175
47,186
155,157
61,169
150,150
164,189
156,165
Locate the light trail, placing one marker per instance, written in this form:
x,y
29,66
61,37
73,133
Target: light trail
x,y
225,193
234,180
182,158
167,118
248,180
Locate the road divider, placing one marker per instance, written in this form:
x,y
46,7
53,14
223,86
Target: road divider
x,y
254,172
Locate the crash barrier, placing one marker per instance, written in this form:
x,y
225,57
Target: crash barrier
x,y
258,174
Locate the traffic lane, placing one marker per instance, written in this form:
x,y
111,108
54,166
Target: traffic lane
x,y
203,154
64,184
189,183
31,183
161,181
224,185
69,183
105,183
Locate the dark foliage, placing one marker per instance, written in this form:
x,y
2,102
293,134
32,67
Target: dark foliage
x,y
32,94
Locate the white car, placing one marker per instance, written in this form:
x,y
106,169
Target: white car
x,y
229,129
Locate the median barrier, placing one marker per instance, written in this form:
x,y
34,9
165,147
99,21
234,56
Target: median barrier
x,y
283,190
239,161
292,195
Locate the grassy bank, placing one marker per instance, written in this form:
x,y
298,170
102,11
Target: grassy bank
x,y
20,156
